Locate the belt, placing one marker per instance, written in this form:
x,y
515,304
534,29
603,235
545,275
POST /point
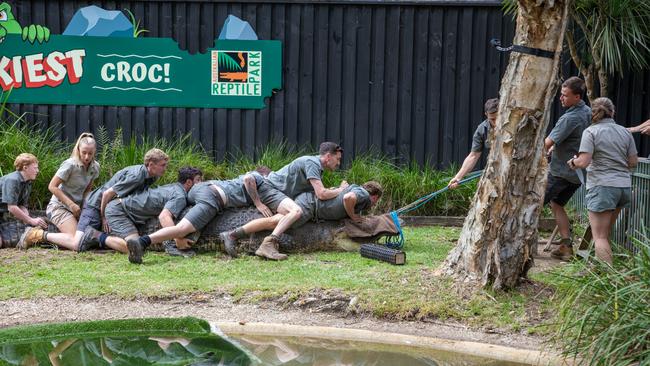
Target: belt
x,y
219,195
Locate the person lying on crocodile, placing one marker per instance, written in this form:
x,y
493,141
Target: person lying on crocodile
x,y
208,198
304,174
165,202
350,203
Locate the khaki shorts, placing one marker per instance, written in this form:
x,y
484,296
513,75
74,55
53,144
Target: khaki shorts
x,y
602,198
58,213
270,196
119,220
207,204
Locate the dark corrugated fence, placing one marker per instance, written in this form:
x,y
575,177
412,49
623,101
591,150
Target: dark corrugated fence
x,y
407,78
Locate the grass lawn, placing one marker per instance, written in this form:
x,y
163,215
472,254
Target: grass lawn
x,y
397,292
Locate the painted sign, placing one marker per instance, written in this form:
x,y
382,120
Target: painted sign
x,y
139,72
39,68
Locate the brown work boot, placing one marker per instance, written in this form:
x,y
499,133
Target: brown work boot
x,y
269,249
31,236
229,243
564,251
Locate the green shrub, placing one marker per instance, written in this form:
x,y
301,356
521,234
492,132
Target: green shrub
x,y
114,154
273,156
402,184
604,310
49,151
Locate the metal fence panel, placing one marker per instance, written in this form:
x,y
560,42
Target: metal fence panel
x,y
633,220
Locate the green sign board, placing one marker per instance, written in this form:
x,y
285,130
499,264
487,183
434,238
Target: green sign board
x,y
139,72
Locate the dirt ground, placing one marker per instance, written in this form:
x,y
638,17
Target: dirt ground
x,y
221,308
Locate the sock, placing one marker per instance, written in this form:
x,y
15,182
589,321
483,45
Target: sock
x,y
102,240
145,241
45,235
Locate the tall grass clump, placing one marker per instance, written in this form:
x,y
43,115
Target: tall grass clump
x,y
402,184
405,184
114,154
20,138
605,311
273,156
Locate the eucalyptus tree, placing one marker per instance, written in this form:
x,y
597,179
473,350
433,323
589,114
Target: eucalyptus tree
x,y
605,37
500,235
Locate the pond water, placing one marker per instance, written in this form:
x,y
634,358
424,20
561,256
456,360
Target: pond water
x,y
322,352
191,341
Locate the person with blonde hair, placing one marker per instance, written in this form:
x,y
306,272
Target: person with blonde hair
x,y
608,152
132,179
15,189
69,186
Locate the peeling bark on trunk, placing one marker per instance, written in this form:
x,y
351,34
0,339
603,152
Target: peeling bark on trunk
x,y
500,232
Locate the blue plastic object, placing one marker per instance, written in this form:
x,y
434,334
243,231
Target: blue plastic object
x,y
95,21
395,241
235,28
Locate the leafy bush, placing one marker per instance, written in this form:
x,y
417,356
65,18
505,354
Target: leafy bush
x,y
402,184
17,139
604,310
114,154
50,152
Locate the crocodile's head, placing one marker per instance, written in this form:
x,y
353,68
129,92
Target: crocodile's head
x,y
8,24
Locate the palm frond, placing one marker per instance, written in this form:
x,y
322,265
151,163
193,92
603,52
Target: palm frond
x,y
228,62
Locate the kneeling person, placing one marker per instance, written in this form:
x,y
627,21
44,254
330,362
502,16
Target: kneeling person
x,y
15,189
352,200
209,199
165,202
129,180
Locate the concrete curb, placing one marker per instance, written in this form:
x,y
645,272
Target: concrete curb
x,y
501,353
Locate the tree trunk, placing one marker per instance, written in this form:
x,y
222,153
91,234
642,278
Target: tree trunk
x,y
586,70
500,232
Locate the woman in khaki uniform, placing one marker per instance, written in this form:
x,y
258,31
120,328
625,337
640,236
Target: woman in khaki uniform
x,y
69,186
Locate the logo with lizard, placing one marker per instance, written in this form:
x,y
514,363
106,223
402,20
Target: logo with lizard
x,y
236,73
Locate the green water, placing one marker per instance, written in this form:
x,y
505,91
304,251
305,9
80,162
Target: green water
x,y
190,341
313,351
122,351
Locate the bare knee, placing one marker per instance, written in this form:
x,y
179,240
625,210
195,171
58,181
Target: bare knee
x,y
557,208
185,227
293,211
